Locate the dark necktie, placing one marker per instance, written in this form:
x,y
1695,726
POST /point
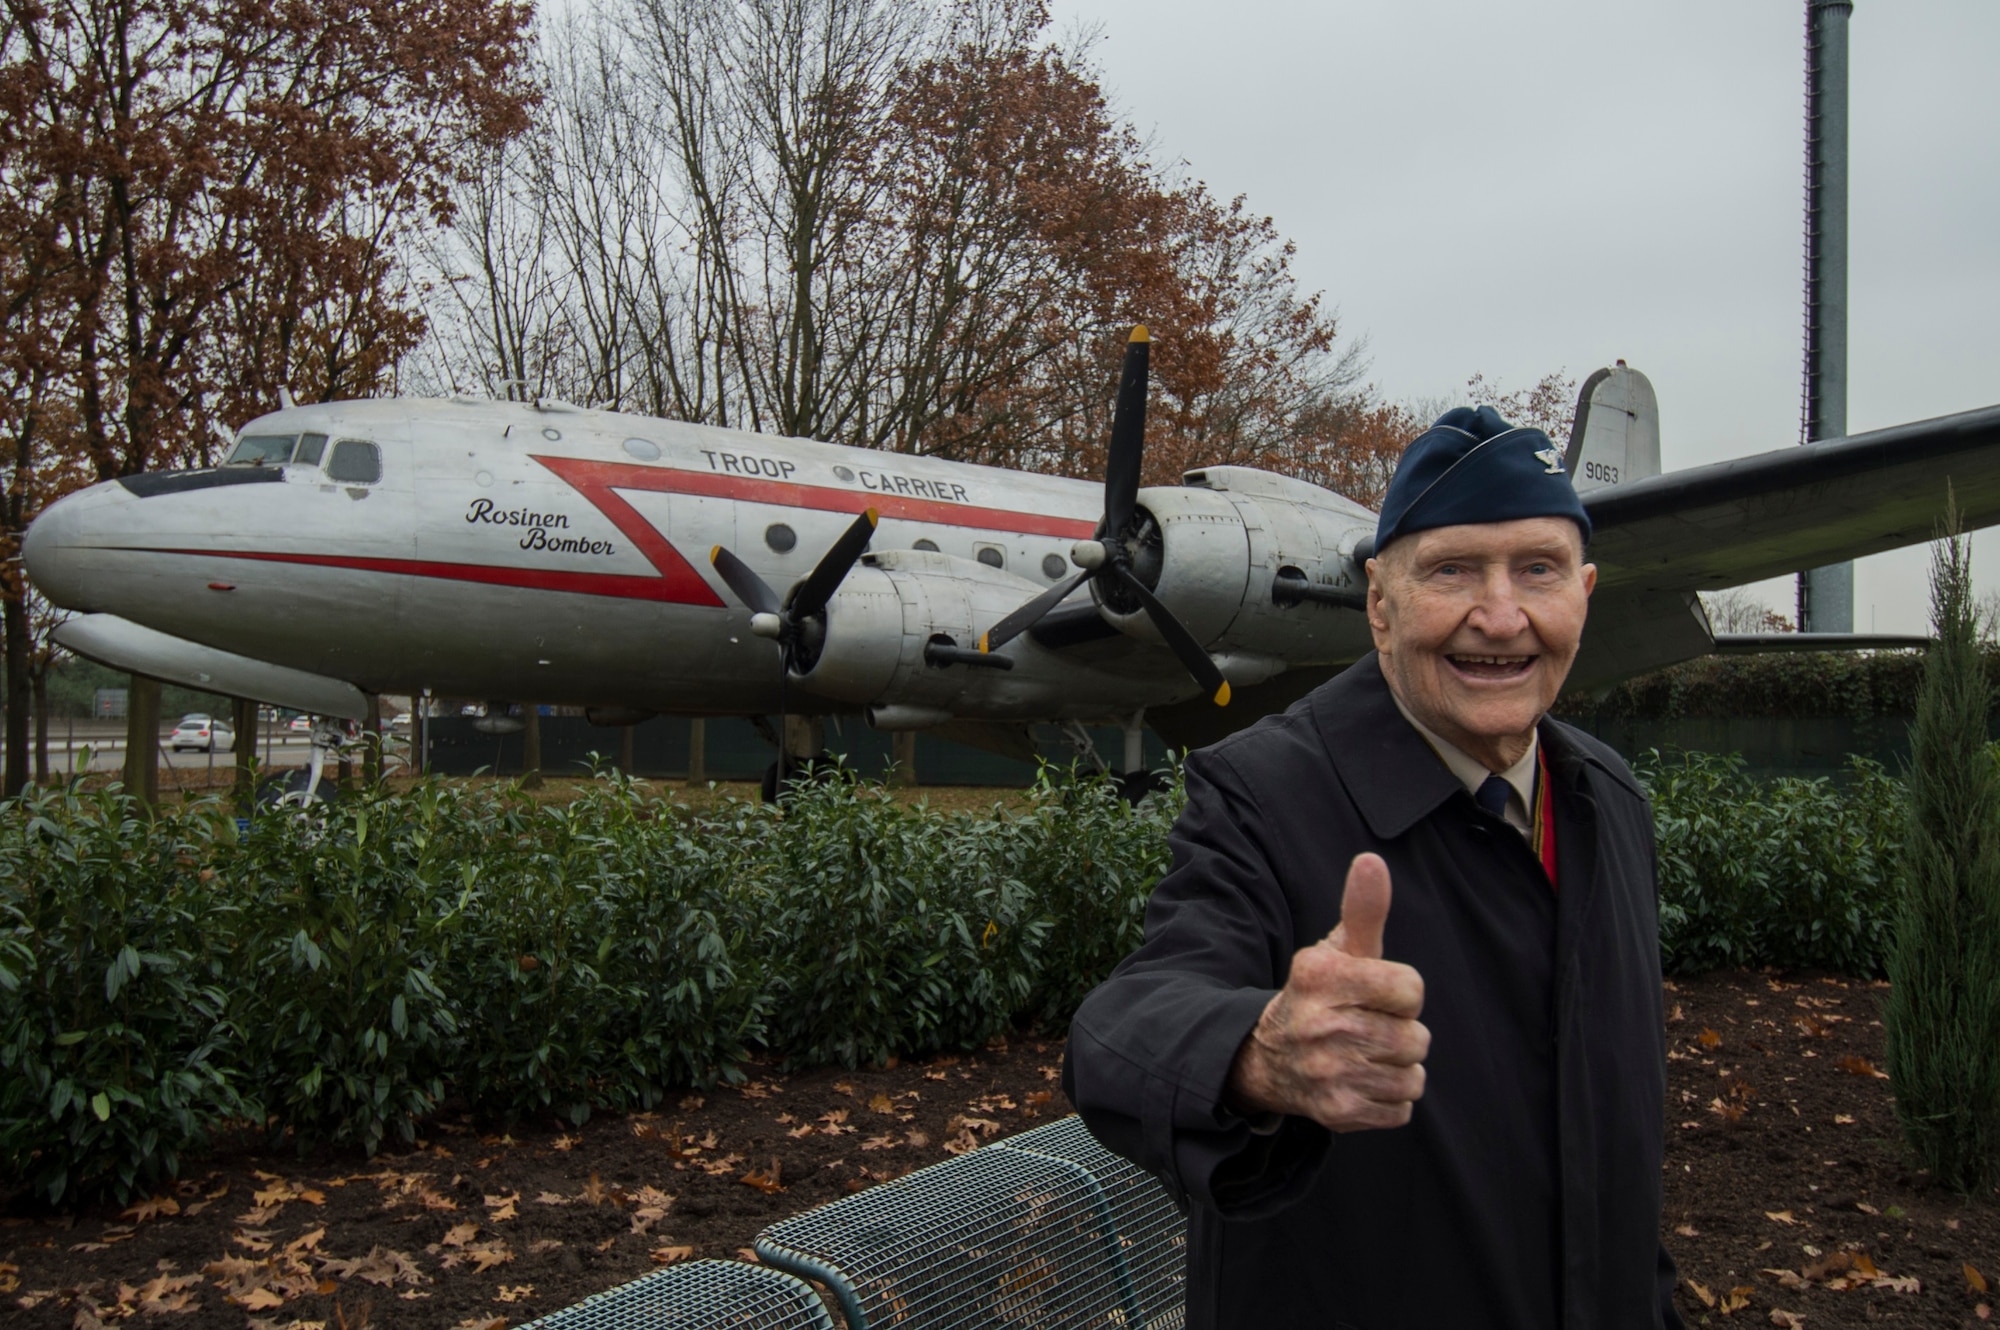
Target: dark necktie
x,y
1492,796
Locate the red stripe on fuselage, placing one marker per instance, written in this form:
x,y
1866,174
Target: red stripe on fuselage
x,y
591,478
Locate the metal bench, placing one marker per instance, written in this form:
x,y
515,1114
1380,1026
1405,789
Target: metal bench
x,y
992,1238
1150,1229
701,1295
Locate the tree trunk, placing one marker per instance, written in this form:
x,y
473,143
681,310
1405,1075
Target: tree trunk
x,y
246,753
142,740
628,745
903,749
371,735
16,772
531,746
39,677
698,751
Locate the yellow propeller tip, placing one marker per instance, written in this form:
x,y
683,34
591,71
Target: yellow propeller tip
x,y
1222,694
1139,334
874,517
984,649
714,552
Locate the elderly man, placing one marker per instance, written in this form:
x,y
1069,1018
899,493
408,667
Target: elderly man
x,y
1448,1113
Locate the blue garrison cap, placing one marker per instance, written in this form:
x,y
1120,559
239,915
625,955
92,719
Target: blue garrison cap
x,y
1472,466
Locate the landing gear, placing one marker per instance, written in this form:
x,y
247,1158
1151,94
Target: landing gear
x,y
307,785
818,769
1135,782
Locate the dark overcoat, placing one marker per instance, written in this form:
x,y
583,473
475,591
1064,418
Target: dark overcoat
x,y
1525,1191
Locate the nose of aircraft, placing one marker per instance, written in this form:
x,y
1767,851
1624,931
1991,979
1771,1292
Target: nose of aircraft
x,y
50,551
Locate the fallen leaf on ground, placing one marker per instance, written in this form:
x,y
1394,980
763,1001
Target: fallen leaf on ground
x,y
460,1234
1708,1038
768,1183
1859,1066
671,1255
881,1103
1789,1320
140,1211
380,1266
502,1206
1974,1281
1701,1293
514,1293
1780,1216
1687,1230
257,1299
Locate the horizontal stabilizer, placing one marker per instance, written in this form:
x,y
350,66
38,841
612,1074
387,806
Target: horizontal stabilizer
x,y
124,645
1751,644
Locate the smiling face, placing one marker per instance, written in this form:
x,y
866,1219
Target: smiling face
x,y
1478,625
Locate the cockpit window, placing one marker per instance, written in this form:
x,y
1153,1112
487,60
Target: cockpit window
x,y
310,448
262,450
354,463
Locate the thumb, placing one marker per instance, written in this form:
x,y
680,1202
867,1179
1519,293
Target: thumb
x,y
1364,908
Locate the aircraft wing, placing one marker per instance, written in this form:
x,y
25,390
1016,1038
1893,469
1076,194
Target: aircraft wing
x,y
1779,512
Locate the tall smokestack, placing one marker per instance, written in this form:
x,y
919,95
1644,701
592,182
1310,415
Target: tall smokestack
x,y
1826,595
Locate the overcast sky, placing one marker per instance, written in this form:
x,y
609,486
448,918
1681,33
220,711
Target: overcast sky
x,y
1554,184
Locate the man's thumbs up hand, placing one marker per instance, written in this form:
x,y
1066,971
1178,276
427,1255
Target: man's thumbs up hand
x,y
1340,1043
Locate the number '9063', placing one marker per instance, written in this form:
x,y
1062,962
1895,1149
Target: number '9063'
x,y
1598,471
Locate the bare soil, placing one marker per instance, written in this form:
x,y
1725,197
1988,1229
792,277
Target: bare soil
x,y
1788,1192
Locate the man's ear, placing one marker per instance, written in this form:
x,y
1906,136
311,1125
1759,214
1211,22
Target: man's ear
x,y
1378,610
1589,579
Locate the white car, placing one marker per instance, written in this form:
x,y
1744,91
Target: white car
x,y
202,734
302,725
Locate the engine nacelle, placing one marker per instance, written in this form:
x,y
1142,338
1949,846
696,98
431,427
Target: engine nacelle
x,y
1217,548
896,603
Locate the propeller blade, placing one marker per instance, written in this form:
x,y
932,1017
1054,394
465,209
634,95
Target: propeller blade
x,y
825,578
1128,436
751,589
1180,639
1028,615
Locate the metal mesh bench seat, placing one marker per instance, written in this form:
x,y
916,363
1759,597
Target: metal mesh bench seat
x,y
701,1295
1151,1231
993,1238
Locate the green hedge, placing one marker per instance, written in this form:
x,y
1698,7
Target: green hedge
x,y
1792,872
338,975
1856,685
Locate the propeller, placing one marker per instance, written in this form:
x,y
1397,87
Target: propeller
x,y
797,623
1121,538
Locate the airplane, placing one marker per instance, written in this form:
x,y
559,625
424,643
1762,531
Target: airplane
x,y
636,566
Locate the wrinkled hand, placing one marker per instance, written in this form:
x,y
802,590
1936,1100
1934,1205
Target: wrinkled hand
x,y
1340,1043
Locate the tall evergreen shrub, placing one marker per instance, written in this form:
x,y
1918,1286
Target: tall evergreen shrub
x,y
1943,1015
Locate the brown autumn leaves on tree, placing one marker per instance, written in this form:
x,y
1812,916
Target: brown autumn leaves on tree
x,y
894,224
203,201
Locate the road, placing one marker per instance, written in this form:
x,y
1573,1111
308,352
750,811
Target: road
x,y
102,745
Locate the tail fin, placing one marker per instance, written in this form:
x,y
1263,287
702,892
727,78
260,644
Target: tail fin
x,y
1616,437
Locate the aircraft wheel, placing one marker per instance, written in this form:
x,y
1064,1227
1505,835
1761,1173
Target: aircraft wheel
x,y
1136,785
290,789
819,768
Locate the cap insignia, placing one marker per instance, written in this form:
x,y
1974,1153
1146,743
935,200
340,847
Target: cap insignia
x,y
1551,459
